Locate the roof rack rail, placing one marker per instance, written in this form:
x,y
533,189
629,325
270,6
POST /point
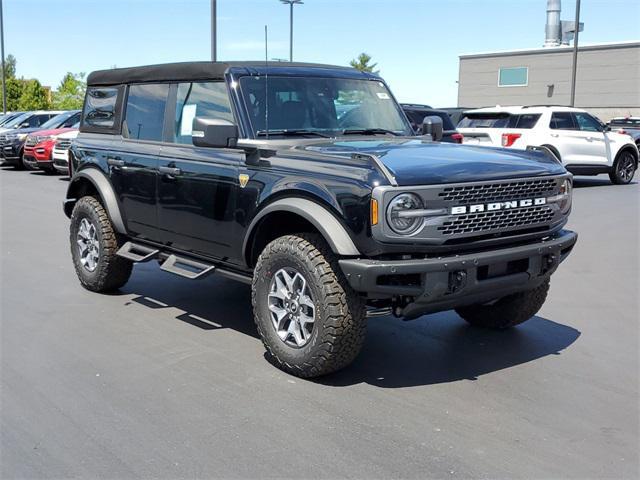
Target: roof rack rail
x,y
547,105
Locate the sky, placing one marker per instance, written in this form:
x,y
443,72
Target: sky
x,y
416,43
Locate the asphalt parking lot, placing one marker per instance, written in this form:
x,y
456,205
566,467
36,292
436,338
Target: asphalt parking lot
x,y
167,378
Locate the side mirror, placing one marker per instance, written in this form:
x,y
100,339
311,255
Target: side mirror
x,y
432,125
214,132
24,125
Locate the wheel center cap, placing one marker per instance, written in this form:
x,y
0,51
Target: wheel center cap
x,y
293,306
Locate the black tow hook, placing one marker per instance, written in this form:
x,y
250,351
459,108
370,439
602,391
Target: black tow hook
x,y
550,262
457,280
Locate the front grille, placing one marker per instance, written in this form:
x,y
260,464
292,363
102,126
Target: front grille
x,y
63,144
496,192
3,139
504,219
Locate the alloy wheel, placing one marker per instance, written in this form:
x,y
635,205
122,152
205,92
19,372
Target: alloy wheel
x,y
88,245
626,168
291,307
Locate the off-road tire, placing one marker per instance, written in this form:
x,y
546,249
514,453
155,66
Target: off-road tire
x,y
111,272
508,311
617,175
340,325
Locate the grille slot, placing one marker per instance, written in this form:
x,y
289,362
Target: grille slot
x,y
3,138
485,221
499,191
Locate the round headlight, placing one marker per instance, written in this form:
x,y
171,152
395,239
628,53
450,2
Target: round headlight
x,y
401,216
566,189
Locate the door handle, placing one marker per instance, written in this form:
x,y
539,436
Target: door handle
x,y
170,170
555,135
115,162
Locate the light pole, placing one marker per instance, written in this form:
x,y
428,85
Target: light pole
x,y
4,75
291,3
214,31
575,55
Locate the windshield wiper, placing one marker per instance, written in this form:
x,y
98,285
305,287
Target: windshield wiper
x,y
368,131
290,132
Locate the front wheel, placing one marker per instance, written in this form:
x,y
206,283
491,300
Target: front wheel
x,y
508,311
94,244
624,169
310,320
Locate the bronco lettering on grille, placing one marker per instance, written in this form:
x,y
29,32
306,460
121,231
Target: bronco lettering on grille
x,y
494,206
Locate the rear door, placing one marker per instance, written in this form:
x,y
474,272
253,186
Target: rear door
x,y
133,166
198,187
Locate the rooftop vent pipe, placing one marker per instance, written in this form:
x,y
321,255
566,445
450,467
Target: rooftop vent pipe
x,y
553,30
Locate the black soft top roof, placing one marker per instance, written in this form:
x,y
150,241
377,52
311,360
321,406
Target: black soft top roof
x,y
192,71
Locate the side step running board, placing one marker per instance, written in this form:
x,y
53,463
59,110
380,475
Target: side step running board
x,y
186,268
136,252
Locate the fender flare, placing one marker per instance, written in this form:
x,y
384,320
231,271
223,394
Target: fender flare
x,y
107,195
321,218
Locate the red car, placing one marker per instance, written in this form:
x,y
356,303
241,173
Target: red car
x,y
38,148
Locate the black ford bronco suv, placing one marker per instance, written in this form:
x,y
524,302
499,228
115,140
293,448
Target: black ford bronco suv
x,y
306,182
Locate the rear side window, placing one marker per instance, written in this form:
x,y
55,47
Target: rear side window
x,y
100,108
144,116
527,120
204,99
71,121
562,121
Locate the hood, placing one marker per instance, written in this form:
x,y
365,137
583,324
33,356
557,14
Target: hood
x,y
49,133
413,161
70,133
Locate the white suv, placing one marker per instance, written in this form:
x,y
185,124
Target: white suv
x,y
579,140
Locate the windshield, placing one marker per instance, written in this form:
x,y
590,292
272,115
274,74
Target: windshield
x,y
57,121
15,122
324,106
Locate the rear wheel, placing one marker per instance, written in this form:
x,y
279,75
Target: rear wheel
x,y
623,169
94,244
508,311
310,320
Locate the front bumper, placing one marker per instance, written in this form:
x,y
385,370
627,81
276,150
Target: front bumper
x,y
30,161
436,284
11,152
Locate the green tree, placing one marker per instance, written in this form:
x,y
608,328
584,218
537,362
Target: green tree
x,y
70,92
34,96
14,92
362,63
10,66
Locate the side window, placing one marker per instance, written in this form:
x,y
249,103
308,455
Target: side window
x,y
562,121
100,108
204,99
37,120
587,123
526,120
144,115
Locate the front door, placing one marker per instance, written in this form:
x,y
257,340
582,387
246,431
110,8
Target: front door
x,y
593,142
198,187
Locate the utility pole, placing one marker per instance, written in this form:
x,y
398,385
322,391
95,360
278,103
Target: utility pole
x,y
4,74
214,31
291,3
575,55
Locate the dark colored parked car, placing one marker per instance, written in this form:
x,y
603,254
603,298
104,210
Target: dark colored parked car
x,y
627,125
12,142
332,215
455,113
417,113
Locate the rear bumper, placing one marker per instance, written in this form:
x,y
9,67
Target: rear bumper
x,y
436,284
